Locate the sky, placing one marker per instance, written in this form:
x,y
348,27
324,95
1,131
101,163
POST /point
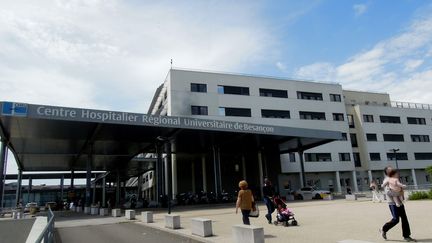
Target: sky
x,y
109,54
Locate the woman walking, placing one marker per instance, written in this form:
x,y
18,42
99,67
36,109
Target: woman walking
x,y
397,212
244,201
269,193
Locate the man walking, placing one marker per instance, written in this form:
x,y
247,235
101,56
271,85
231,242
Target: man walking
x,y
268,192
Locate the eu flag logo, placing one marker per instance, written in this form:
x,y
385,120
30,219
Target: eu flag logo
x,y
14,109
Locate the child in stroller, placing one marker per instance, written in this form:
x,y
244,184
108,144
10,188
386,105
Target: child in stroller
x,y
284,214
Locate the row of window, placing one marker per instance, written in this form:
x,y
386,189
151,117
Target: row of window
x,y
276,93
395,119
398,137
326,157
265,113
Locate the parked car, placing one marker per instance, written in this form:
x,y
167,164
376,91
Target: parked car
x,y
313,191
30,205
52,205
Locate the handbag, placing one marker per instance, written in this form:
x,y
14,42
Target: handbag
x,y
255,211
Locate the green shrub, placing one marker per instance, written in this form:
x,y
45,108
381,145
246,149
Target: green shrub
x,y
419,195
430,194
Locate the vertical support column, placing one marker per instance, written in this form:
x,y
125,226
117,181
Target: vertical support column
x,y
414,178
261,173
193,176
216,168
244,167
370,176
169,174
103,192
19,185
204,172
338,184
29,189
3,152
354,176
159,174
72,178
174,169
139,189
94,193
61,187
302,169
88,176
117,189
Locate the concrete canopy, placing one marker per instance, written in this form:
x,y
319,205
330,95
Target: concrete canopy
x,y
50,138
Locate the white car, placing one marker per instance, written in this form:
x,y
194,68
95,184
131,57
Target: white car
x,y
313,191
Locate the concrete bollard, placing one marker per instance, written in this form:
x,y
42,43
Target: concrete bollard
x,y
116,212
103,211
172,221
130,214
94,211
87,210
248,233
351,197
327,197
73,209
79,209
202,227
147,217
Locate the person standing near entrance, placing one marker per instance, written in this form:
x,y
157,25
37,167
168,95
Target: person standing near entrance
x,y
245,200
374,188
397,212
269,193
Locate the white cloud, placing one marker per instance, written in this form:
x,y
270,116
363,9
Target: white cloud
x,y
113,54
399,65
281,66
412,64
359,9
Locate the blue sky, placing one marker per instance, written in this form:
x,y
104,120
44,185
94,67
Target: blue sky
x,y
113,54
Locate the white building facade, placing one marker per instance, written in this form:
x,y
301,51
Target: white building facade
x,y
370,123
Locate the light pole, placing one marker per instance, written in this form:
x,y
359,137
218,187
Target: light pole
x,y
395,157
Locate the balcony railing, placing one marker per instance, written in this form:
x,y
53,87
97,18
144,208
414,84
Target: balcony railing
x,y
410,105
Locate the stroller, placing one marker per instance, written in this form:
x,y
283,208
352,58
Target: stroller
x,y
284,214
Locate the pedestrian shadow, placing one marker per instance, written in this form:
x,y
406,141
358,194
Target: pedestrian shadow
x,y
269,236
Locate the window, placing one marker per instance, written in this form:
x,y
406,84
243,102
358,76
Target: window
x,y
274,93
375,156
390,119
338,116
202,88
420,138
275,114
368,118
317,157
393,137
399,156
233,90
357,161
344,157
335,98
350,121
309,96
371,137
416,120
292,157
344,137
353,138
199,110
423,156
307,115
229,111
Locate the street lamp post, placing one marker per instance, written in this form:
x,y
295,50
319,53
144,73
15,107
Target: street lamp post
x,y
395,157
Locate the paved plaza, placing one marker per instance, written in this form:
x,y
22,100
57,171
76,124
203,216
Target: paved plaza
x,y
319,221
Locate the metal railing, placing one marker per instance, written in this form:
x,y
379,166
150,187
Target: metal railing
x,y
47,234
410,105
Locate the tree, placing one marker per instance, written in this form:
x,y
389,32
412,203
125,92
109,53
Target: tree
x,y
429,170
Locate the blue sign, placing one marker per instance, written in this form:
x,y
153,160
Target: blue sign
x,y
14,109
